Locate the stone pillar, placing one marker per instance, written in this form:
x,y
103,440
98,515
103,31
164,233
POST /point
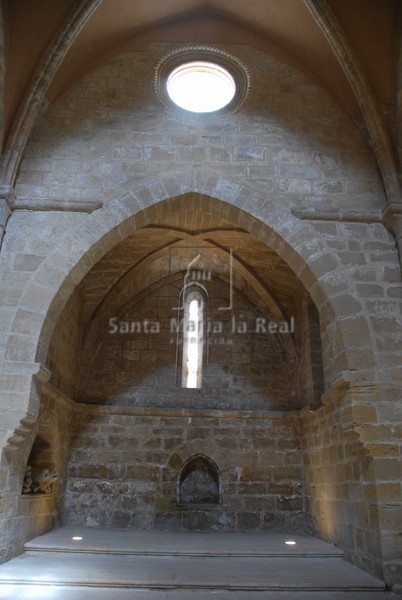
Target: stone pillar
x,y
372,421
353,472
20,409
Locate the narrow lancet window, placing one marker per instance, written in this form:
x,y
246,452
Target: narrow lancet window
x,y
193,344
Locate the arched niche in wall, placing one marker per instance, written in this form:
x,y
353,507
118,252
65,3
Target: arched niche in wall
x,y
40,473
199,481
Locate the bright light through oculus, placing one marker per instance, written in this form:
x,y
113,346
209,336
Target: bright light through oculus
x,y
201,87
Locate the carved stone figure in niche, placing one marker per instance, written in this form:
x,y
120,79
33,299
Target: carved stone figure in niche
x,y
38,481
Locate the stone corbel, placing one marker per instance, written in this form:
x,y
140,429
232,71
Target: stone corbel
x,y
342,216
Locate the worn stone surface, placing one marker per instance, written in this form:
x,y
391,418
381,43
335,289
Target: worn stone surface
x,y
108,133
124,471
167,177
44,444
139,359
352,468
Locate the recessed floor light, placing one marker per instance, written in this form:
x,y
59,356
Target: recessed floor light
x,y
77,538
290,542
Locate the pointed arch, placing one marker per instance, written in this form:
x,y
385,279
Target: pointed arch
x,y
199,481
79,250
296,242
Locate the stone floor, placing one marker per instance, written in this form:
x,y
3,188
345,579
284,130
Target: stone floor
x,y
29,592
177,566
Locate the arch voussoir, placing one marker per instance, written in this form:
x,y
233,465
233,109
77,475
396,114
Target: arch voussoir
x,y
78,251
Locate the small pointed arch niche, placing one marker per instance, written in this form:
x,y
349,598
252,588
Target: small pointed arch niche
x,y
199,481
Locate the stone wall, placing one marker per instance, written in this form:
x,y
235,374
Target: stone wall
x,y
23,516
310,353
109,140
64,351
108,133
125,466
335,479
353,474
138,361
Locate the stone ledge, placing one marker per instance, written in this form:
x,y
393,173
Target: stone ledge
x,y
184,412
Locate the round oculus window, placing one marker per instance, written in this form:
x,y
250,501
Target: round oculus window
x,y
200,86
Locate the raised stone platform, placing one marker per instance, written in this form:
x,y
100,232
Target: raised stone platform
x,y
156,543
165,566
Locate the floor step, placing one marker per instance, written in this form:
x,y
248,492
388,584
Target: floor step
x,y
141,565
154,543
175,572
40,592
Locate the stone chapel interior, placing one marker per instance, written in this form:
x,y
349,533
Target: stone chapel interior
x,y
201,311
